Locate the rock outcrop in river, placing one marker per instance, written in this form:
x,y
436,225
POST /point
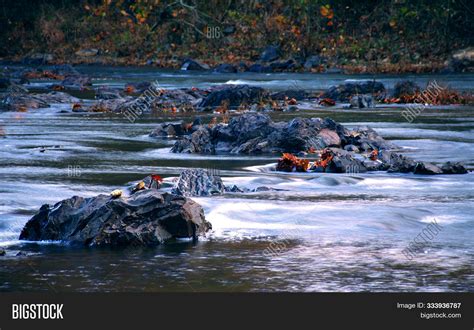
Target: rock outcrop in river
x,y
148,217
254,133
358,150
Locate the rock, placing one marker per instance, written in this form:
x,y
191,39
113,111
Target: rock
x,y
146,218
87,52
297,94
426,168
351,148
198,142
328,138
461,60
282,66
234,95
21,101
345,91
76,81
365,138
453,168
362,101
400,164
312,62
38,59
405,88
344,162
198,182
225,68
192,65
168,129
2,252
259,68
57,97
271,53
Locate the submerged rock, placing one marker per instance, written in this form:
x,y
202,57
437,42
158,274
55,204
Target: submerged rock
x,y
148,217
198,182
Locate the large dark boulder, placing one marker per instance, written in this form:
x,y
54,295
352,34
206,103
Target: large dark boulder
x,y
198,182
234,96
271,53
344,92
148,217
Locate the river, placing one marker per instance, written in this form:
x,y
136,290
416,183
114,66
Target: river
x,y
322,232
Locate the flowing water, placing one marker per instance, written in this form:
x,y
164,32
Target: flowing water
x,y
321,232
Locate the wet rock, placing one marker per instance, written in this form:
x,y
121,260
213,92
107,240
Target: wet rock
x,y
271,53
365,138
76,81
259,68
426,168
297,94
192,65
2,252
362,101
234,95
256,133
453,168
21,101
405,88
461,60
107,93
400,164
198,182
344,92
148,217
225,68
328,138
313,62
169,129
351,148
87,52
282,66
38,59
57,97
198,142
235,189
344,162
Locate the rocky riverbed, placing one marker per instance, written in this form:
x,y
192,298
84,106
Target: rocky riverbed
x,y
273,227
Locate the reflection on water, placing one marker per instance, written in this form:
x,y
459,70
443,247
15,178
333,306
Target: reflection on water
x,y
327,232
